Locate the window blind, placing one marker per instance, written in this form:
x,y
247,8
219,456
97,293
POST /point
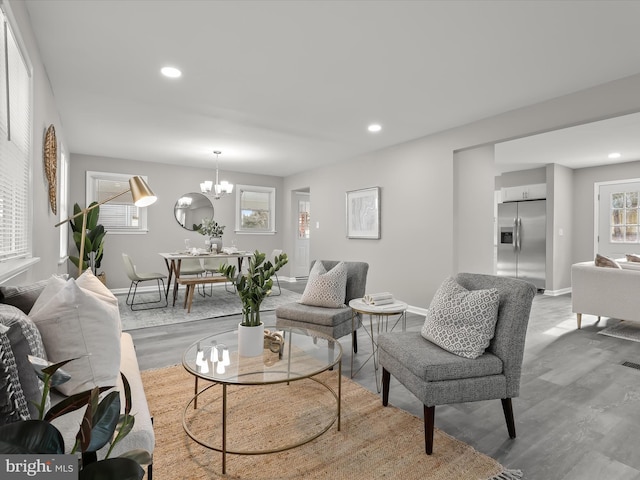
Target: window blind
x,y
15,146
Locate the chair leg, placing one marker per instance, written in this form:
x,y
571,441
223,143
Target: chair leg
x,y
579,319
507,408
354,341
429,416
386,379
279,289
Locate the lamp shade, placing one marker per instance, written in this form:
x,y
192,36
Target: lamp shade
x,y
142,195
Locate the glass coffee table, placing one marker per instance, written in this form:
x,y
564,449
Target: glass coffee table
x,y
286,371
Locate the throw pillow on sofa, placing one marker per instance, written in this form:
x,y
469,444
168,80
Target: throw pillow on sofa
x,y
602,261
462,321
326,289
19,384
632,257
77,323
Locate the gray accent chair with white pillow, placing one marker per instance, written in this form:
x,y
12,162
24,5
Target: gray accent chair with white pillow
x,y
335,322
437,377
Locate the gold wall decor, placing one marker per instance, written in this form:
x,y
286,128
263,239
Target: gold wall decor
x,y
51,165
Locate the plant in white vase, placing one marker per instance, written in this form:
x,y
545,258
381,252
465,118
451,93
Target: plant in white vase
x,y
254,286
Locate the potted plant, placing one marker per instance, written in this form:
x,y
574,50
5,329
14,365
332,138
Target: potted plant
x,y
214,231
253,287
102,423
93,243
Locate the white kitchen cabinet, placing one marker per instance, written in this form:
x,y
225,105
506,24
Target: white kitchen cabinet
x,y
524,192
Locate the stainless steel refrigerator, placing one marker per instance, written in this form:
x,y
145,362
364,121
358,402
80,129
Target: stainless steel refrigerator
x,y
522,238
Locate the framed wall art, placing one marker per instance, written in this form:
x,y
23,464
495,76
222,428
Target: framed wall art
x,y
363,213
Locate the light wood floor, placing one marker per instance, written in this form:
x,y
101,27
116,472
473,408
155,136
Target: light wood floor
x,y
577,417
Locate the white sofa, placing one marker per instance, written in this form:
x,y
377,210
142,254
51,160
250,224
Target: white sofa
x,y
15,302
606,292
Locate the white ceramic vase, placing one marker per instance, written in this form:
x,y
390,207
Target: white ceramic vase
x,y
250,340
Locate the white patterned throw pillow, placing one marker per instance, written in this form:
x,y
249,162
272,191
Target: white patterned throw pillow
x,y
326,289
462,321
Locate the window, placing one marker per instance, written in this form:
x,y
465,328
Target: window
x,y
15,148
63,208
119,215
255,209
624,217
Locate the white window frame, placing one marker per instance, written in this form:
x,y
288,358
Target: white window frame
x,y
17,254
92,180
240,229
63,207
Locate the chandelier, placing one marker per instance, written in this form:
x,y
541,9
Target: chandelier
x,y
220,188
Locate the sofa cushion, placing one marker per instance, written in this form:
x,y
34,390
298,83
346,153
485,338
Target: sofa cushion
x,y
431,363
326,289
602,261
462,321
78,323
19,384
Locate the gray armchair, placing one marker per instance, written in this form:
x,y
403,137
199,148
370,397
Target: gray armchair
x,y
331,321
438,377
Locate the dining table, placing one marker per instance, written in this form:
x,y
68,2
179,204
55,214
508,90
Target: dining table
x,y
174,260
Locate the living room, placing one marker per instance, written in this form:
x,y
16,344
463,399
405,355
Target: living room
x,y
448,173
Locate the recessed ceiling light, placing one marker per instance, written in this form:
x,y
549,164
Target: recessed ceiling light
x,y
171,72
374,127
614,155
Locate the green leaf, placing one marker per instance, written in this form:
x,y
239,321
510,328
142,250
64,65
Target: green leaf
x,y
139,455
71,403
51,371
30,436
104,422
112,469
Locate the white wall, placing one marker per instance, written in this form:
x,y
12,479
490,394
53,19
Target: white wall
x,y
169,182
474,219
560,214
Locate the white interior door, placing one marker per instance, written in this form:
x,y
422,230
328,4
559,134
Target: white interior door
x,y
618,212
303,234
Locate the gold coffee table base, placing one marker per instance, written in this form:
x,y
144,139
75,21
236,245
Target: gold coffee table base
x,y
191,411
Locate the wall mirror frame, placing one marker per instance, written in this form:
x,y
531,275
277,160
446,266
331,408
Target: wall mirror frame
x,y
191,208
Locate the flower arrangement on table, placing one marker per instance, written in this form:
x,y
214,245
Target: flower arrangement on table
x,y
210,228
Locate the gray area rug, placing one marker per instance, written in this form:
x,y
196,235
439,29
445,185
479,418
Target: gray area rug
x,y
220,304
625,330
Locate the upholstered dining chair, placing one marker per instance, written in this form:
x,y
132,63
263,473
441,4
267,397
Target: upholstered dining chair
x,y
436,376
138,277
336,322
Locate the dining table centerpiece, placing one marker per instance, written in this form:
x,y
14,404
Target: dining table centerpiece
x,y
252,288
212,229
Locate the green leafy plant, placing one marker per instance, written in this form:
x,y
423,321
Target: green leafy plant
x,y
210,228
255,285
102,423
94,240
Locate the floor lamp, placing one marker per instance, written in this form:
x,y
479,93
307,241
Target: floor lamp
x,y
142,195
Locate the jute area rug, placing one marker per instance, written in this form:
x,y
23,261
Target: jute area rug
x,y
374,441
221,303
625,330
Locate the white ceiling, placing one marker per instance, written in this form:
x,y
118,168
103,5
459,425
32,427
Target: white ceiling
x,y
282,87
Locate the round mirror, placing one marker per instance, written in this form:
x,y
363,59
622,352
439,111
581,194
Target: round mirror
x,y
191,208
